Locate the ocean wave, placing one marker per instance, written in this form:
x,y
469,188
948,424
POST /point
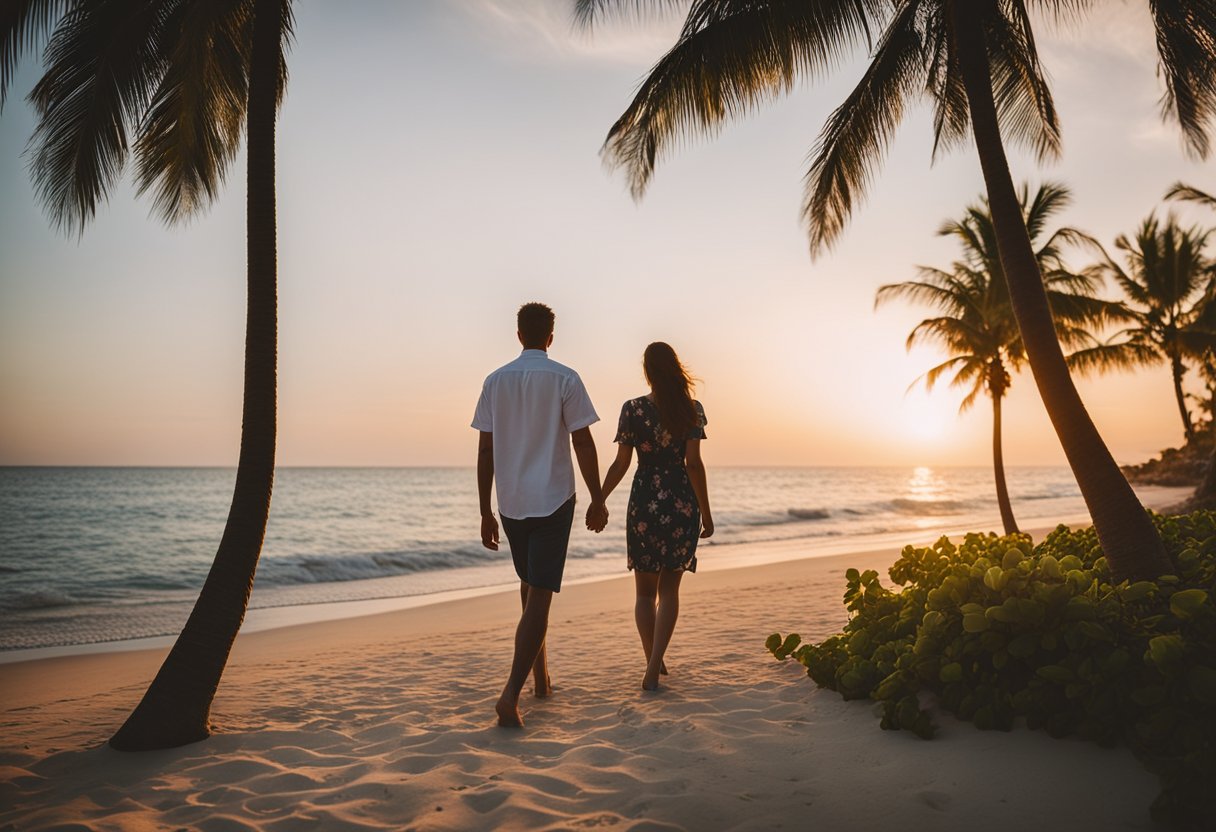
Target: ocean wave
x,y
359,566
1045,495
809,513
38,599
903,505
775,518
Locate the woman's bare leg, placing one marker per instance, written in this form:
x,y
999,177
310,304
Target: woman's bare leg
x,y
647,586
664,625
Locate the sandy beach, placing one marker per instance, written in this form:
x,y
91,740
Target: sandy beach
x,y
385,721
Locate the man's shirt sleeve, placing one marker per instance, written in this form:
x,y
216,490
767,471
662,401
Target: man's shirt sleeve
x,y
483,416
577,410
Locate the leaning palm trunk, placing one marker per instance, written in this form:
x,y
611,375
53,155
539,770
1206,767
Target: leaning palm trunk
x,y
1178,371
998,466
1130,541
176,708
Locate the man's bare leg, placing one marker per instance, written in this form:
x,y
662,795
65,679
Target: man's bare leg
x,y
529,638
664,625
542,684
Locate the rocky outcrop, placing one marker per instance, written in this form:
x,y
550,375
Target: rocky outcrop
x,y
1175,466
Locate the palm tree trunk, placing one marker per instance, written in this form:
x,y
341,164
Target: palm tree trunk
x,y
998,466
1178,372
1129,539
176,708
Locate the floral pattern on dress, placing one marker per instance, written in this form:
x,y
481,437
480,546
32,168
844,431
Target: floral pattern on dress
x,y
663,520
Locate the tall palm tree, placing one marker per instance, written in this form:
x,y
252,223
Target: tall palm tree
x,y
976,323
181,79
1167,283
977,63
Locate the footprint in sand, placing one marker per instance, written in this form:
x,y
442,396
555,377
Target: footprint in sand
x,y
597,821
935,800
485,800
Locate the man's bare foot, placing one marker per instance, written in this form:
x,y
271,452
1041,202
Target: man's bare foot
x,y
544,689
508,714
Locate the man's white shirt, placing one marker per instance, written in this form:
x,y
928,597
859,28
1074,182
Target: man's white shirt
x,y
532,405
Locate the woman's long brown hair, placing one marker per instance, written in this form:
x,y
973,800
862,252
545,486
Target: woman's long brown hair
x,y
672,388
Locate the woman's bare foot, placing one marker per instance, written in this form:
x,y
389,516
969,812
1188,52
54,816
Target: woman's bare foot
x,y
508,713
650,682
544,689
663,669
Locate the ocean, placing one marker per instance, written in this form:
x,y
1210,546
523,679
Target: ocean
x,y
91,555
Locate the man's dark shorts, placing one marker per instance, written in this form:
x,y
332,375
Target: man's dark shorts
x,y
538,546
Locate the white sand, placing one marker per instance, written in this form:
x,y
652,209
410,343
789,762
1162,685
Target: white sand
x,y
386,721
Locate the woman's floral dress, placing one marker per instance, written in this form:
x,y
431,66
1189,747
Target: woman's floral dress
x,y
664,522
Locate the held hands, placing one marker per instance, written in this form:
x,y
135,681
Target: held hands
x,y
489,531
707,526
597,517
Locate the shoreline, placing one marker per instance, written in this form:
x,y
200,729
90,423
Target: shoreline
x,y
729,556
386,721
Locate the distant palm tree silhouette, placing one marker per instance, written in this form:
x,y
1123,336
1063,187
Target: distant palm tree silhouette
x,y
977,63
1167,283
181,79
976,324
1205,494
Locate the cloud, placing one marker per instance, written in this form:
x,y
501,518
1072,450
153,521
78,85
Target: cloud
x,y
1121,31
545,30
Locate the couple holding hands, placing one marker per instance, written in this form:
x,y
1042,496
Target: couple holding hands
x,y
531,412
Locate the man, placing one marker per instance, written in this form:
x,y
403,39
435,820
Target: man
x,y
527,409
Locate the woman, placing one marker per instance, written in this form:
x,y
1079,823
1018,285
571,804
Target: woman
x,y
669,501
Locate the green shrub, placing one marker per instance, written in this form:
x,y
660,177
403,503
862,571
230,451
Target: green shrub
x,y
998,630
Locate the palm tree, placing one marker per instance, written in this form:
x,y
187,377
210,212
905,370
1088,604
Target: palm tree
x,y
976,323
978,64
1166,282
181,78
1205,494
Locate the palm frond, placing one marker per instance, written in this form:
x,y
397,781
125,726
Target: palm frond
x,y
194,124
1186,50
938,289
931,377
24,24
1049,199
1196,341
1103,358
1023,99
856,136
969,400
102,64
1050,254
588,12
951,116
960,336
731,56
1186,193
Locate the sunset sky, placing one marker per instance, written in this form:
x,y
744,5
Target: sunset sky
x,y
438,166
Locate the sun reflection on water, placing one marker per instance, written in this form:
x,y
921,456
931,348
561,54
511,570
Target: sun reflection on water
x,y
925,484
926,489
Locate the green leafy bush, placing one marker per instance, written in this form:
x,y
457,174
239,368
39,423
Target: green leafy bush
x,y
998,630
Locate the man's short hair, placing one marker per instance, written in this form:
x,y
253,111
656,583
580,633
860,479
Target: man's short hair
x,y
535,323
